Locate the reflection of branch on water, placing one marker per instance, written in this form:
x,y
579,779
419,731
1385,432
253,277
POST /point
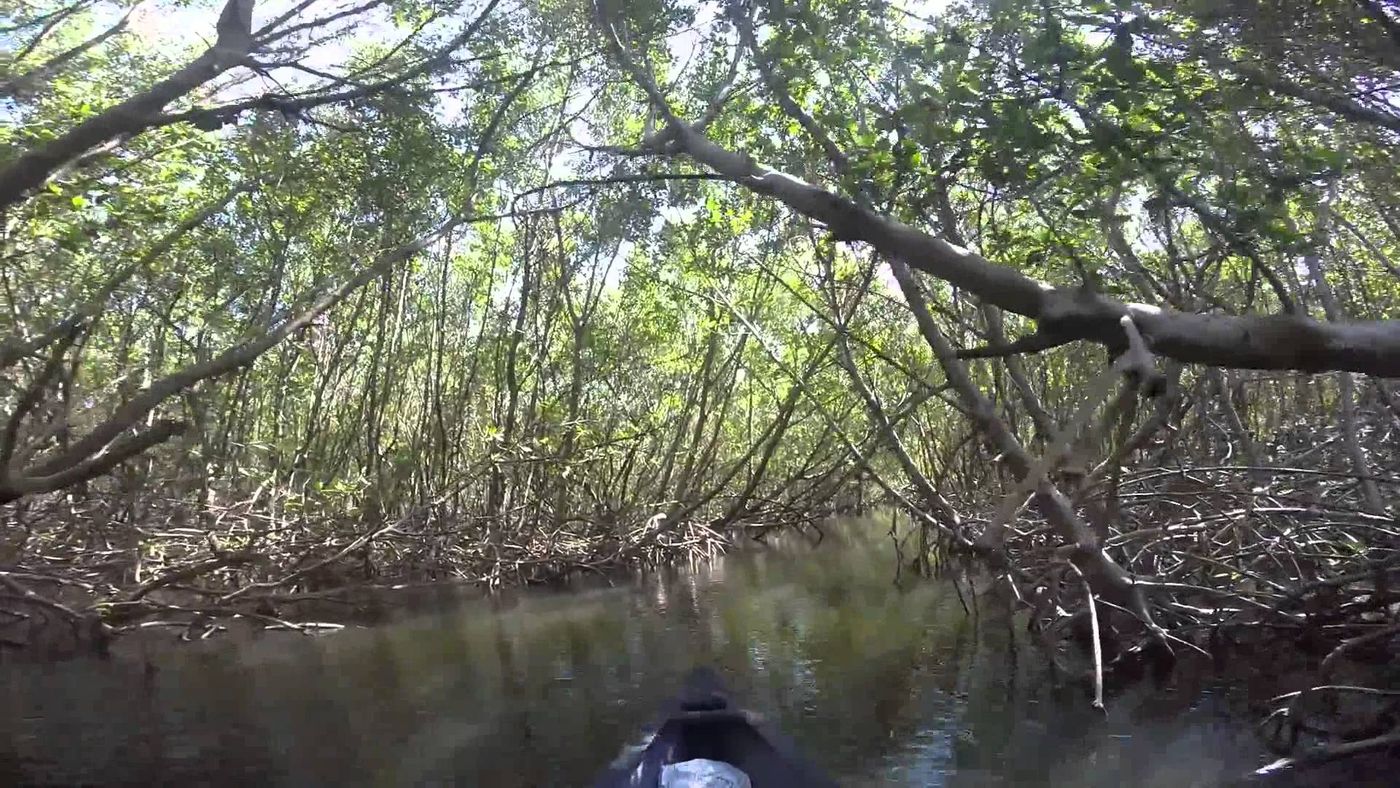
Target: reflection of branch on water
x,y
1331,753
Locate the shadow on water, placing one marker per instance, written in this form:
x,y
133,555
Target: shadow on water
x,y
879,685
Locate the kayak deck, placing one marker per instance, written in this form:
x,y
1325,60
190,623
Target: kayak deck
x,y
703,723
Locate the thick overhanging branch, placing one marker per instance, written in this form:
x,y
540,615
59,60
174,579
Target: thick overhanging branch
x,y
15,485
234,46
1242,341
1292,342
135,114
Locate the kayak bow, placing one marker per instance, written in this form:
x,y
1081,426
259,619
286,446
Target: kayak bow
x,y
703,724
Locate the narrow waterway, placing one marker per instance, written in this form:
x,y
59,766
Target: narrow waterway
x,y
879,684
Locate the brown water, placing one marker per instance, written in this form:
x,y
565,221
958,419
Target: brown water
x,y
880,685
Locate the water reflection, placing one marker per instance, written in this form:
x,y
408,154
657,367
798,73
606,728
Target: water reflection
x,y
880,685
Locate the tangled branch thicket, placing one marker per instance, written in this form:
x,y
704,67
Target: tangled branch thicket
x,y
497,291
1280,566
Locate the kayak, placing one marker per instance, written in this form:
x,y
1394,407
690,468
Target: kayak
x,y
703,725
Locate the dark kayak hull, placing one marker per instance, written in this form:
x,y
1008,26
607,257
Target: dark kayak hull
x,y
702,723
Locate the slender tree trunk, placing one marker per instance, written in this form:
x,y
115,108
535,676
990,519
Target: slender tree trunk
x,y
1346,385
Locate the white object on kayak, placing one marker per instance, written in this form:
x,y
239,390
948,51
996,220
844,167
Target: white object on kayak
x,y
703,773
